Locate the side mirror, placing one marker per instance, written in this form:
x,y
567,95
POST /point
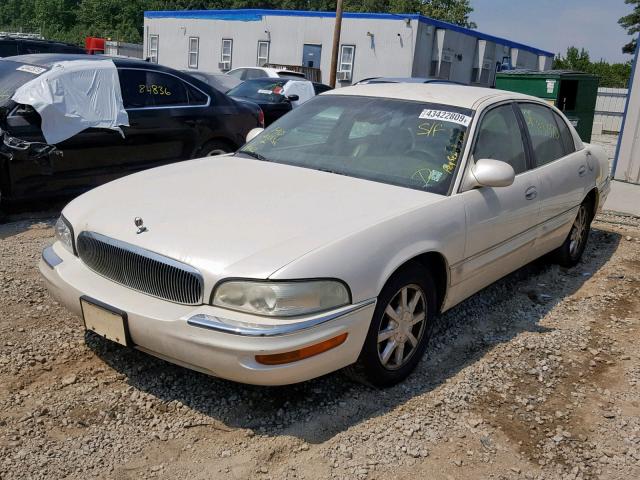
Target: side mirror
x,y
253,133
492,173
293,98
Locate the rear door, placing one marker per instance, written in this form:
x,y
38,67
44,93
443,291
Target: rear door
x,y
564,171
165,114
501,221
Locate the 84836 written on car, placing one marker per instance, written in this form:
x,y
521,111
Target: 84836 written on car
x,y
333,238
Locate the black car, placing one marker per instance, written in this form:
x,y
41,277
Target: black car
x,y
12,45
275,96
194,120
220,81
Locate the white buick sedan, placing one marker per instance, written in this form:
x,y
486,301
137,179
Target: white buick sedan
x,y
333,238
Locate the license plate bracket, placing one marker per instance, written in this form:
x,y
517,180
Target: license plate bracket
x,y
107,321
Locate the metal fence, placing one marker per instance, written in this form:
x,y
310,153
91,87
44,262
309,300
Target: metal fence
x,y
609,110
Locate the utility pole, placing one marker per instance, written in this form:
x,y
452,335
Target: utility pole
x,y
336,44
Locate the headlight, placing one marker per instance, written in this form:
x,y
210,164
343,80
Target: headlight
x,y
64,233
281,299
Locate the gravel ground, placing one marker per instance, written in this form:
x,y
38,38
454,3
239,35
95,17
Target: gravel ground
x,y
536,377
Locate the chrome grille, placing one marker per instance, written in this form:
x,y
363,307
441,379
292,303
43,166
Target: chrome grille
x,y
140,269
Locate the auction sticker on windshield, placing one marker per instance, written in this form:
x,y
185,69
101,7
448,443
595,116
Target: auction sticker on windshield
x,y
31,69
446,116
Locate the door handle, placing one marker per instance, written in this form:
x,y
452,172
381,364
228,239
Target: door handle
x,y
582,170
531,193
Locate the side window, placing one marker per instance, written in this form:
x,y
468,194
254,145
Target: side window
x,y
252,73
500,138
146,88
565,134
545,135
196,97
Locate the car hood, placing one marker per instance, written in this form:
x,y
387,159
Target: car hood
x,y
233,216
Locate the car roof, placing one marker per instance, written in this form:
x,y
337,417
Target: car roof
x,y
48,59
448,94
407,80
41,41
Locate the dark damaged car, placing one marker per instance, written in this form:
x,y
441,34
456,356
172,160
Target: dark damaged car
x,y
71,122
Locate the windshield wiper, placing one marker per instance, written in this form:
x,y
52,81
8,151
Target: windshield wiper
x,y
328,170
255,155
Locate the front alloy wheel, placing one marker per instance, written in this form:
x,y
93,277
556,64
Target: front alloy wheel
x,y
400,328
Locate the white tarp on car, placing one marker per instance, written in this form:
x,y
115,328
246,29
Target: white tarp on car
x,y
75,95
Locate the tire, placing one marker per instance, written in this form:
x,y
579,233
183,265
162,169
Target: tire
x,y
3,213
379,364
214,148
570,252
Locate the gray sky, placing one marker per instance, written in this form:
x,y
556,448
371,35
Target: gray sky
x,y
554,25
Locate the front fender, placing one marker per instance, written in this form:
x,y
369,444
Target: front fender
x,y
366,259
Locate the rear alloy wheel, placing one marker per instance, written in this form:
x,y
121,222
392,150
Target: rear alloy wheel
x,y
570,252
400,329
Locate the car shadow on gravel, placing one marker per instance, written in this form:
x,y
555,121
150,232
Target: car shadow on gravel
x,y
317,410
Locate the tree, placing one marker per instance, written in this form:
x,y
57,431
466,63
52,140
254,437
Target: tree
x,y
72,20
631,23
574,60
611,75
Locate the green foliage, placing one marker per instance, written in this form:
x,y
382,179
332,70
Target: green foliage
x,y
614,75
631,23
72,20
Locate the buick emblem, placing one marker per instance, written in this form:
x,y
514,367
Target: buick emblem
x,y
140,224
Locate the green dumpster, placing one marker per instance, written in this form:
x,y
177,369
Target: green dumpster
x,y
574,93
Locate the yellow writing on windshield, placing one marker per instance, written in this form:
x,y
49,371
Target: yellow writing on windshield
x,y
430,129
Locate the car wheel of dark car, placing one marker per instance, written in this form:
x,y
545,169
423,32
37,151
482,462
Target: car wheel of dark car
x,y
214,148
400,329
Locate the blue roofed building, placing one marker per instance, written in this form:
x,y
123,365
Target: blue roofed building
x,y
371,45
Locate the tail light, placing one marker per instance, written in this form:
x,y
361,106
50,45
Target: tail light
x,y
260,118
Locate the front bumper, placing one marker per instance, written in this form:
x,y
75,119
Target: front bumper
x,y
209,339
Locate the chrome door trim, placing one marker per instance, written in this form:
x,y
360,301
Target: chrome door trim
x,y
500,244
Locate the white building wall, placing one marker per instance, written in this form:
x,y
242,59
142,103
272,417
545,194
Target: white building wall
x,y
628,156
391,49
398,48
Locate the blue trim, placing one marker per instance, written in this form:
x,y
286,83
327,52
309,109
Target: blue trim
x,y
626,107
256,15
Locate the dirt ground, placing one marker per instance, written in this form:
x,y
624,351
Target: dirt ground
x,y
536,377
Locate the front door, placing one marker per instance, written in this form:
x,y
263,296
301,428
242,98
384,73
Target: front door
x,y
501,221
311,55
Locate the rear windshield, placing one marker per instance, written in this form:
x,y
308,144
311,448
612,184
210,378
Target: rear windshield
x,y
13,75
263,90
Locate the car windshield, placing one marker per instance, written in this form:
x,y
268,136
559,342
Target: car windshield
x,y
406,143
268,90
13,75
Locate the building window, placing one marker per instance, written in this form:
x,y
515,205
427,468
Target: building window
x,y
347,54
194,49
263,53
227,54
154,40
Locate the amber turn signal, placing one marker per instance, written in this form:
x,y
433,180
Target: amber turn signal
x,y
306,352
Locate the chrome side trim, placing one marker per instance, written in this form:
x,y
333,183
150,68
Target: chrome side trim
x,y
234,327
50,257
510,239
